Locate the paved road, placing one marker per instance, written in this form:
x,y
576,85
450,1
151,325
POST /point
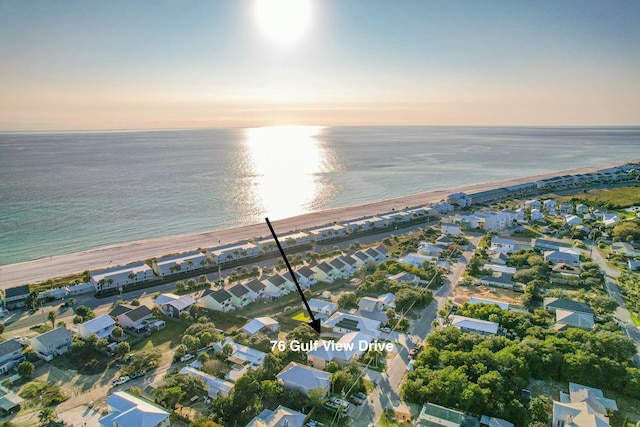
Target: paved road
x,y
385,394
610,275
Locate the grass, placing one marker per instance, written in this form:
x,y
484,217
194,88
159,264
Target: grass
x,y
301,316
164,339
634,318
527,233
619,196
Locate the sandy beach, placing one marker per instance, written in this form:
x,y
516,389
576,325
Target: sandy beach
x,y
121,254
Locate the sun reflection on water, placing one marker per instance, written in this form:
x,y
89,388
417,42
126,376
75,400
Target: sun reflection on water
x,y
288,166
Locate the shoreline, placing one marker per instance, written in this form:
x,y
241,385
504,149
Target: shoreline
x,y
125,253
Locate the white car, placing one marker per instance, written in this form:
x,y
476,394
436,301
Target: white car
x,y
187,357
121,380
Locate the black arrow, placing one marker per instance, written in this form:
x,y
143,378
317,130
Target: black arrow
x,y
315,323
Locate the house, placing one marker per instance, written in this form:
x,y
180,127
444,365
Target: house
x,y
215,386
520,214
417,259
287,241
339,268
279,417
433,415
52,343
120,277
130,411
241,354
361,258
429,250
548,244
566,270
100,326
610,219
351,264
327,232
552,304
10,355
582,209
549,206
575,319
571,220
565,209
303,378
477,300
9,401
344,323
581,393
496,221
388,300
468,324
498,258
218,300
489,195
499,268
306,276
442,208
499,280
135,318
261,324
460,199
444,241
580,414
418,212
278,285
349,347
625,248
533,204
634,265
450,228
172,305
234,252
377,253
536,215
505,245
469,221
177,264
563,256
324,272
372,308
241,296
486,421
404,277
321,309
16,297
257,288
394,218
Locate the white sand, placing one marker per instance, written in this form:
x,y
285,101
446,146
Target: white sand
x,y
125,253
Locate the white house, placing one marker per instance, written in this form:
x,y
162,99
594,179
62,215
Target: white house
x,y
377,253
443,208
499,268
242,354
344,323
549,206
303,378
324,272
306,276
610,219
173,305
450,228
327,232
321,309
170,266
287,241
361,258
130,411
10,355
477,300
565,209
460,199
279,417
496,221
218,300
349,347
417,259
261,324
468,324
278,285
135,318
563,256
100,326
215,386
257,288
240,295
351,264
533,204
572,220
575,319
122,276
507,245
582,209
234,252
52,343
394,218
536,215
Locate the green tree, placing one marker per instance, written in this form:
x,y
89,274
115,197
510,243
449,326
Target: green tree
x,y
51,315
180,286
85,312
122,348
46,415
347,300
539,409
25,369
117,332
192,343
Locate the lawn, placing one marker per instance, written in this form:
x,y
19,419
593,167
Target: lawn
x,y
636,319
301,316
620,196
164,339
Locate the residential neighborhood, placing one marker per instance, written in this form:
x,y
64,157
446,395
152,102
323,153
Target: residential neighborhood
x,y
493,316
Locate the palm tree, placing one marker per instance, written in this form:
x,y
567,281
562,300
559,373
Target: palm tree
x,y
52,318
131,276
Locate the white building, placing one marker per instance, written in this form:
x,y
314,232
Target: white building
x,y
52,343
173,265
130,411
450,228
279,417
303,378
219,300
122,276
327,232
233,252
100,326
468,324
215,386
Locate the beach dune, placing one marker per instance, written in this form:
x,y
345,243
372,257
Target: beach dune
x,y
125,253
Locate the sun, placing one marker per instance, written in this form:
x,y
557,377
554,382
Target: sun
x,y
283,21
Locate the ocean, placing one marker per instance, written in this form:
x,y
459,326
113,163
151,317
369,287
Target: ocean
x,y
67,192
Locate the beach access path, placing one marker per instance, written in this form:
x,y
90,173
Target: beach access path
x,y
121,254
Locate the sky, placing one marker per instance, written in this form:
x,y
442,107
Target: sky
x,y
122,64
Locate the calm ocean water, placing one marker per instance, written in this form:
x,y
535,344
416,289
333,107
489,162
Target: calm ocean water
x,y
67,192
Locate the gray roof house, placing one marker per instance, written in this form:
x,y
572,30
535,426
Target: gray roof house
x,y
52,343
303,378
552,304
16,297
10,355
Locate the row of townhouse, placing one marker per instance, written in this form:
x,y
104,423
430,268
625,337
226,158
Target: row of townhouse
x,y
489,220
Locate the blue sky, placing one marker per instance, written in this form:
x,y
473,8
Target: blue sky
x,y
171,64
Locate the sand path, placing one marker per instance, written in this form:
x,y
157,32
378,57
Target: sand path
x,y
121,254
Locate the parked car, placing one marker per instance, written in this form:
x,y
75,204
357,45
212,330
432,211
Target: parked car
x,y
187,357
121,380
137,375
356,400
331,405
